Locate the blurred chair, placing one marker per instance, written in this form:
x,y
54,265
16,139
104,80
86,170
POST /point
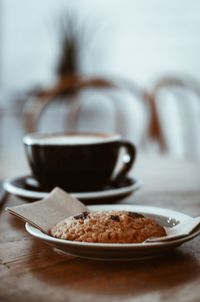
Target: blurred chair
x,y
79,103
175,115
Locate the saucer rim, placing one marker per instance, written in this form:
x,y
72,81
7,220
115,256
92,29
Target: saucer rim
x,y
26,193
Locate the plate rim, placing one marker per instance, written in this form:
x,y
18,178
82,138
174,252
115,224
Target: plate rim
x,y
136,246
10,188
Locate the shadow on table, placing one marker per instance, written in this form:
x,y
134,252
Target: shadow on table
x,y
72,274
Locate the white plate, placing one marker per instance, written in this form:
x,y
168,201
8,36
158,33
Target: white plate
x,y
16,186
121,252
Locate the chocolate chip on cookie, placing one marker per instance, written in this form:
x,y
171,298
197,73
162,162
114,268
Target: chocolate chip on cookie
x,y
115,218
135,215
83,216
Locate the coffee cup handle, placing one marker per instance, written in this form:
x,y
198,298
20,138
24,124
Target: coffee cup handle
x,y
126,166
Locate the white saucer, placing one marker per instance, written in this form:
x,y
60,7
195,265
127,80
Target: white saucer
x,y
17,186
121,252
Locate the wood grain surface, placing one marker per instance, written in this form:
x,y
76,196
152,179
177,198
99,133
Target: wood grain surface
x,y
31,271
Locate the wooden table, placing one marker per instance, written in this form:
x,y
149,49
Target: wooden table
x,y
31,271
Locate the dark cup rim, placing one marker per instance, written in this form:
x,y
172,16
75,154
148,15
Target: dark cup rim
x,y
36,138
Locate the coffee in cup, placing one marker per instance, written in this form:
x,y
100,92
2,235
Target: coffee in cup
x,y
76,162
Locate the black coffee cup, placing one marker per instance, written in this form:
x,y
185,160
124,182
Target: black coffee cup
x,y
77,162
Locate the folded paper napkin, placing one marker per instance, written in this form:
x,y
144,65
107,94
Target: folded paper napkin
x,y
45,213
182,229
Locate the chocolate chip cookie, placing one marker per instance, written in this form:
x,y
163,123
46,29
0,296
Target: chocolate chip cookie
x,y
108,227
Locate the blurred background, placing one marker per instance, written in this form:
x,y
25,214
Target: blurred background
x,y
104,65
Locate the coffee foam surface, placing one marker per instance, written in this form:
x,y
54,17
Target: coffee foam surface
x,y
69,140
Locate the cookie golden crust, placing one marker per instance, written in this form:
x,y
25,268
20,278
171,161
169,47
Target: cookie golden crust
x,y
108,227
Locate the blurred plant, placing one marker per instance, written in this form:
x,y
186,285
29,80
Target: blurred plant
x,y
72,39
68,62
73,35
